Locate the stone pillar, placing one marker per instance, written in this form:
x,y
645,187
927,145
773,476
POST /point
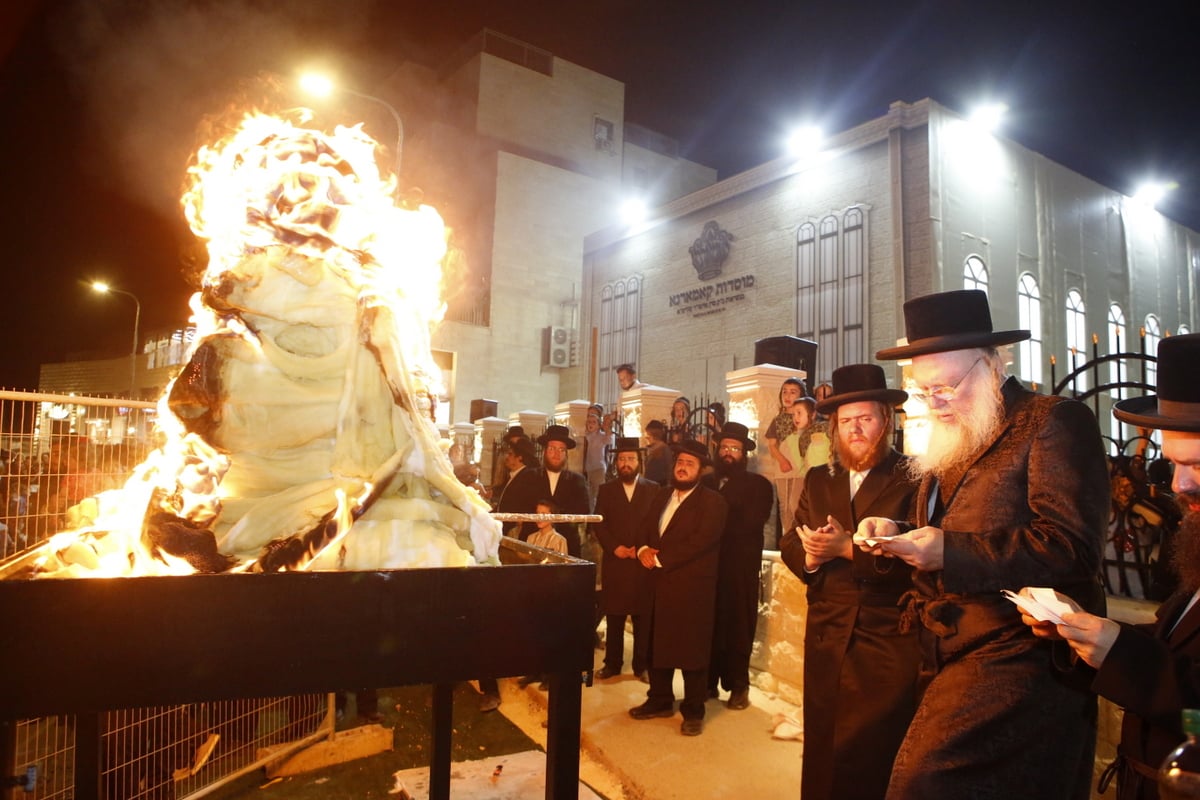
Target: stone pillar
x,y
532,422
573,414
639,406
488,430
463,433
754,402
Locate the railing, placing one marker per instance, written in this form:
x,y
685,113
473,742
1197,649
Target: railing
x,y
59,449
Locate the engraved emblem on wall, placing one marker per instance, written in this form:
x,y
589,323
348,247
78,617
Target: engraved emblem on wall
x,y
710,250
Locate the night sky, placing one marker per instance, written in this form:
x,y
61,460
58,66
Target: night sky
x,y
101,101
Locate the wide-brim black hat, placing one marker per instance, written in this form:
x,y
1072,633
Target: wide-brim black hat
x,y
856,383
1176,406
628,444
557,433
736,430
693,448
946,321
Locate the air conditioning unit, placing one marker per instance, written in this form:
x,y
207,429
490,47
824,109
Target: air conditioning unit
x,y
558,347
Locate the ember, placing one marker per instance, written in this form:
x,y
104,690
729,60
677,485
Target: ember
x,y
299,433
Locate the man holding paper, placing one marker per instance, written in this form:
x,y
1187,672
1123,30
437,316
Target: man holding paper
x,y
1152,671
1014,492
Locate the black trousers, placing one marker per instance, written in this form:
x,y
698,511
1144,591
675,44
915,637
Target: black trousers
x,y
614,645
695,690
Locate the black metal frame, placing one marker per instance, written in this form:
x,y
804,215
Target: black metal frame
x,y
83,646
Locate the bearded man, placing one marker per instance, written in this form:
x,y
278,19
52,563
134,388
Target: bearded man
x,y
860,672
623,503
568,489
1153,671
1014,492
750,498
679,543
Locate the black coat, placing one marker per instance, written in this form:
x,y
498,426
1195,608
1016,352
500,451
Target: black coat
x,y
520,496
571,497
1153,676
750,498
683,590
860,672
623,580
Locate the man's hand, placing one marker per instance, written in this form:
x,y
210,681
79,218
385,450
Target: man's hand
x,y
625,551
921,549
825,543
646,556
870,528
1091,637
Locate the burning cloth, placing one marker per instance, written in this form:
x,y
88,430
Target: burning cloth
x,y
299,433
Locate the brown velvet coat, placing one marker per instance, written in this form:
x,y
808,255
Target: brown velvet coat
x,y
996,720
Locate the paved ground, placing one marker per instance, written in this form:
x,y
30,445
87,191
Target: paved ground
x,y
620,759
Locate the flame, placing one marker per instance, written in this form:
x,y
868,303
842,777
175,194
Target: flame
x,y
307,213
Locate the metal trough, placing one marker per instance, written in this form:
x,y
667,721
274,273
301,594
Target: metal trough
x,y
82,646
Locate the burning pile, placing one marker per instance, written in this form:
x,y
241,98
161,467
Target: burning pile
x,y
299,434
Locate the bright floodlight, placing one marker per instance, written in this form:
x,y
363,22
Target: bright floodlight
x,y
100,286
989,115
633,211
805,141
1151,193
317,85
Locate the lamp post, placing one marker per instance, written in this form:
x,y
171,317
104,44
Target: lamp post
x,y
321,86
104,288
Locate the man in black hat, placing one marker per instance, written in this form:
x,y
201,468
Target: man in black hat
x,y
860,672
520,491
1014,492
1153,671
750,497
624,503
679,543
566,488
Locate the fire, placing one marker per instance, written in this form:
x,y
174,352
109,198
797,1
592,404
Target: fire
x,y
298,435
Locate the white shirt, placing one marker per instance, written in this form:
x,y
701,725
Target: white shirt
x,y
856,481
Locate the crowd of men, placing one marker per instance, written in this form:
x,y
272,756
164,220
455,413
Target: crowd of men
x,y
921,677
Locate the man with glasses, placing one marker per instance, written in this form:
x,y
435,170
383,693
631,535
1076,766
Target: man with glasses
x,y
860,672
749,497
1013,493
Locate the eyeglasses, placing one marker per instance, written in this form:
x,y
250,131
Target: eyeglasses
x,y
729,448
944,392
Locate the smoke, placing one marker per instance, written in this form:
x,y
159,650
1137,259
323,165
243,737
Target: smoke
x,y
147,74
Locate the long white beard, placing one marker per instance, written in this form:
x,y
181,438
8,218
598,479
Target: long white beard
x,y
953,445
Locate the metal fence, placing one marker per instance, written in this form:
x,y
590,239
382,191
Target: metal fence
x,y
56,450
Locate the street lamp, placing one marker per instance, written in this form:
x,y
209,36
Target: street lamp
x,y
321,86
104,288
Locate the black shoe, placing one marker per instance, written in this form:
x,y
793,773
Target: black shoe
x,y
692,727
739,699
648,710
604,673
643,676
713,693
489,702
525,680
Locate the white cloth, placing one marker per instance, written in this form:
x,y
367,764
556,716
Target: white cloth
x,y
553,478
856,481
677,497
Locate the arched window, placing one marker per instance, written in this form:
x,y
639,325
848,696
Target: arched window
x,y
1029,315
1077,344
1184,330
975,274
831,291
1153,330
619,334
1116,369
